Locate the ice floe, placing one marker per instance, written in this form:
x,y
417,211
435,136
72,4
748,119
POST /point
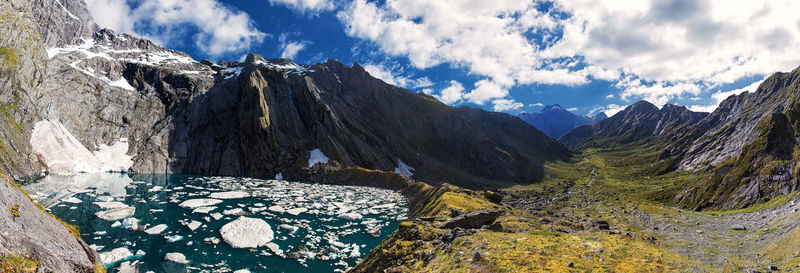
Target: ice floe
x,y
229,195
176,257
115,255
200,202
246,233
116,214
158,229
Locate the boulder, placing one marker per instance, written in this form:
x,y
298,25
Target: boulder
x,y
475,219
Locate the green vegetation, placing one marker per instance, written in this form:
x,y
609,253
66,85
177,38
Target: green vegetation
x,y
9,57
14,210
10,263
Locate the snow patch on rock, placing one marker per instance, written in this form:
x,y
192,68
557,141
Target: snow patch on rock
x,y
64,154
317,157
404,169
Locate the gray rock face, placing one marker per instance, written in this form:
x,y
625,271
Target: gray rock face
x,y
36,234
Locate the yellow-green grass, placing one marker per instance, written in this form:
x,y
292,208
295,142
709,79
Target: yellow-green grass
x,y
542,251
10,263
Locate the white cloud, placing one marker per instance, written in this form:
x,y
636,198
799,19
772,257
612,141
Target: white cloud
x,y
720,96
220,29
485,90
610,96
501,105
289,49
305,5
382,72
538,104
657,50
609,110
572,109
110,14
452,94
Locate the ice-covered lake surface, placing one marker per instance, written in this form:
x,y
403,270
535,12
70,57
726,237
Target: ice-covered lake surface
x,y
181,223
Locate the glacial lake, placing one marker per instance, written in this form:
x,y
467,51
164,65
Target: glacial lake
x,y
172,223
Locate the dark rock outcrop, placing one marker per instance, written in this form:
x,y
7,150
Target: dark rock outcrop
x,y
475,219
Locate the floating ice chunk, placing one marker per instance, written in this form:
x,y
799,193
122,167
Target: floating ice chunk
x,y
355,252
101,232
296,211
404,169
72,200
279,176
116,214
203,209
275,248
173,238
116,255
110,205
277,209
384,206
155,189
350,216
216,215
176,257
116,224
234,211
315,157
242,271
229,195
200,202
105,198
246,233
130,223
288,227
158,229
193,225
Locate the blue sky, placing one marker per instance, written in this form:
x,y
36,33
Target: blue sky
x,y
504,55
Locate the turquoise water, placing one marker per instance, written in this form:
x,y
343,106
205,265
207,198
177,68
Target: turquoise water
x,y
322,242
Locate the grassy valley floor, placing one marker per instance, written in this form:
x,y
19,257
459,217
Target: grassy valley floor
x,y
602,212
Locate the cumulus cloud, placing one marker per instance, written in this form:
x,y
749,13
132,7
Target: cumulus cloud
x,y
658,50
220,29
501,105
380,71
485,90
609,109
290,49
312,6
719,96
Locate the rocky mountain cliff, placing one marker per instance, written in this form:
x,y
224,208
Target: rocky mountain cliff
x,y
747,148
116,95
641,121
554,120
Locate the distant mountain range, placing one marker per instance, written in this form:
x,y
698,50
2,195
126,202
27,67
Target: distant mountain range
x,y
554,120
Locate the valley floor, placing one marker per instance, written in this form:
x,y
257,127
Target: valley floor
x,y
637,207
603,212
